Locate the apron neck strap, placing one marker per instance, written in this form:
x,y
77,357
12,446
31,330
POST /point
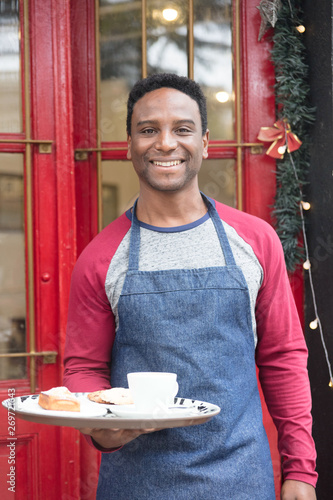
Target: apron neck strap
x,y
219,228
134,247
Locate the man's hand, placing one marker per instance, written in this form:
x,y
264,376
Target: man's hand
x,y
297,490
114,438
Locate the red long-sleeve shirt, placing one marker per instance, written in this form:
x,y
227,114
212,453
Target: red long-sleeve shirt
x,y
281,353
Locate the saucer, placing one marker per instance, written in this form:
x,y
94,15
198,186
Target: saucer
x,y
175,411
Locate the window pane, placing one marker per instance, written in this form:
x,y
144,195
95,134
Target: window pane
x,y
120,188
120,55
217,179
213,64
167,37
10,68
12,266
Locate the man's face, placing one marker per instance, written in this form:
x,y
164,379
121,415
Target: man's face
x,y
166,145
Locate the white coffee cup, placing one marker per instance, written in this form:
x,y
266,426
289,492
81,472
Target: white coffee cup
x,y
152,392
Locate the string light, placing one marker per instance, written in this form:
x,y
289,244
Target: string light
x,y
314,324
300,28
306,205
317,321
307,265
282,149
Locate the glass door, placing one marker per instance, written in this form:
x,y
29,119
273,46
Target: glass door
x,y
32,216
13,197
17,300
134,39
13,331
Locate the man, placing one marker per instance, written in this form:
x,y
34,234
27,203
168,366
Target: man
x,y
182,283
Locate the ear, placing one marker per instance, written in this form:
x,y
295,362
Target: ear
x,y
205,141
129,142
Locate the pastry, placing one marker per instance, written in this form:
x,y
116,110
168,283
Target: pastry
x,y
60,399
115,396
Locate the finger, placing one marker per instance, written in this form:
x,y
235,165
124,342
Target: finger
x,y
145,431
84,430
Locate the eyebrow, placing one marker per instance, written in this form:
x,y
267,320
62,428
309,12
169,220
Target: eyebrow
x,y
175,122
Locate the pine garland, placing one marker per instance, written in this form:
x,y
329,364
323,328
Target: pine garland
x,y
292,94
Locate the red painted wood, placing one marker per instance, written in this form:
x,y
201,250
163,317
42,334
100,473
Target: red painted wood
x,y
259,177
65,217
31,472
12,147
20,482
47,457
84,117
44,184
23,68
85,136
258,109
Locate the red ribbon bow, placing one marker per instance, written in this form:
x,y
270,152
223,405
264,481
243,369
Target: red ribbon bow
x,y
283,139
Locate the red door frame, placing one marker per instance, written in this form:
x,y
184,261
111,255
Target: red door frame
x,y
47,458
54,212
258,79
258,108
86,177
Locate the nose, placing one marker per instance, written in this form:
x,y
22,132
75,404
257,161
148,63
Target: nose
x,y
166,141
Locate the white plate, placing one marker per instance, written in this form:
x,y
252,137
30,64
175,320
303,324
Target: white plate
x,y
184,413
29,405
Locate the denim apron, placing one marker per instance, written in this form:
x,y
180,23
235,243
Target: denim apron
x,y
196,323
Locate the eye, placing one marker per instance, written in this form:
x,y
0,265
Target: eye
x,y
183,130
147,131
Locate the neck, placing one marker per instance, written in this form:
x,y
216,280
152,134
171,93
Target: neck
x,y
170,209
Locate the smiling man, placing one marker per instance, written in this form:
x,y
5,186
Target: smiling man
x,y
184,284
165,142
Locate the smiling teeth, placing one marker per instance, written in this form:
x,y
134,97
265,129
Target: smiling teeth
x,y
167,163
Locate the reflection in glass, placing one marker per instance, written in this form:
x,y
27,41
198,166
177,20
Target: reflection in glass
x,y
167,35
10,68
167,25
120,188
167,51
217,179
213,64
120,185
120,56
12,266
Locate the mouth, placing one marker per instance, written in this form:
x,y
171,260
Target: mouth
x,y
172,163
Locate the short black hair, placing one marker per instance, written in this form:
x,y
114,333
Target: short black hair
x,y
169,80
